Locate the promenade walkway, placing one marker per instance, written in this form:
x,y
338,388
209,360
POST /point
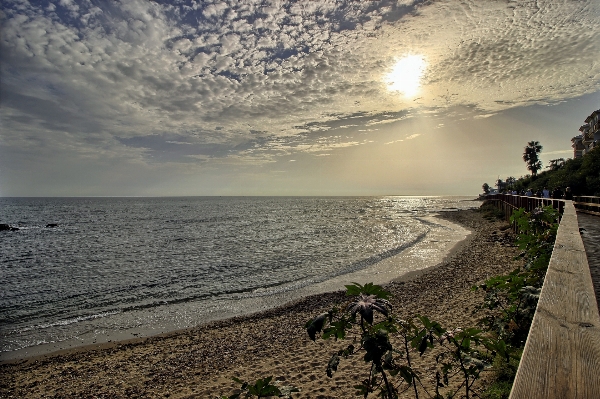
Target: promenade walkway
x,y
589,226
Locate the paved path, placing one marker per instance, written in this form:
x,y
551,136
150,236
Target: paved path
x,y
591,242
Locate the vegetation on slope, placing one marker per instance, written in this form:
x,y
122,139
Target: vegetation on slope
x,y
581,174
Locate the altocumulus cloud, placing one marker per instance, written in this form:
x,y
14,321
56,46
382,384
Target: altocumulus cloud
x,y
194,81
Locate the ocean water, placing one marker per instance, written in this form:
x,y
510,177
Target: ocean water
x,y
115,268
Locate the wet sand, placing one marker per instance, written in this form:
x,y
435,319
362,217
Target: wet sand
x,y
199,362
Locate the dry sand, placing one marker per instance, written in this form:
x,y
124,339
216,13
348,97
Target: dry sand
x,y
199,363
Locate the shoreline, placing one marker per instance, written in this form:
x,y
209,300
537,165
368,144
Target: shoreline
x,y
446,236
199,362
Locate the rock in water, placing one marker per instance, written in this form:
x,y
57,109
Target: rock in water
x,y
7,227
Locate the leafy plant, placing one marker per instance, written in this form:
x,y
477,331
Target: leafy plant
x,y
261,388
458,352
504,371
336,323
466,356
511,299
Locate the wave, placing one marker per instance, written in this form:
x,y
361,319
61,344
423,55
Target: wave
x,y
66,322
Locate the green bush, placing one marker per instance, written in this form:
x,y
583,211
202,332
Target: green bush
x,y
498,390
581,174
511,299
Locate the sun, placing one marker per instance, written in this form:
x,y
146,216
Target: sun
x,y
406,74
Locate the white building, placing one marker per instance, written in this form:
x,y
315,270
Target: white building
x,y
589,137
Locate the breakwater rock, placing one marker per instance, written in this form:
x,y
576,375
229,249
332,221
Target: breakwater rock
x,y
7,227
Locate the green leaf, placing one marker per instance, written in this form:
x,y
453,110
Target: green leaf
x,y
407,374
237,380
315,325
263,387
337,329
353,290
356,289
423,345
466,344
376,346
287,390
346,352
388,358
333,365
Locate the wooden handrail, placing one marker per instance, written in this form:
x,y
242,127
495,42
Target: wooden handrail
x,y
587,204
508,203
561,358
587,198
528,203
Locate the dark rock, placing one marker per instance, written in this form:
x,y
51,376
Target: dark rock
x,y
51,225
7,227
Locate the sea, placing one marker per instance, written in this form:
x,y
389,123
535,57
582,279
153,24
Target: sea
x,y
84,271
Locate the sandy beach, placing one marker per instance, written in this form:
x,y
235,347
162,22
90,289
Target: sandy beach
x,y
199,362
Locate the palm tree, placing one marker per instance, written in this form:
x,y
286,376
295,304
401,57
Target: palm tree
x,y
500,185
531,157
510,183
556,164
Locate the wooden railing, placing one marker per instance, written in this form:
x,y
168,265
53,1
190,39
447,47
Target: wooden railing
x,y
529,203
561,358
509,203
587,204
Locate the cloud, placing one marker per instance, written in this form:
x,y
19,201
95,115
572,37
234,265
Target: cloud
x,y
561,152
173,148
196,80
483,116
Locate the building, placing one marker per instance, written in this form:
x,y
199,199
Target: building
x,y
578,146
589,137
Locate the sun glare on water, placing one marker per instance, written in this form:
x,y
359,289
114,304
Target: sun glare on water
x,y
405,76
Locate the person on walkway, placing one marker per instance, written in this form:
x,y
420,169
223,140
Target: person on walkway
x,y
568,194
557,193
546,192
529,193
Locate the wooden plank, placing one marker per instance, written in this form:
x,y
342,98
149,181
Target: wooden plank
x,y
586,211
578,204
562,353
563,362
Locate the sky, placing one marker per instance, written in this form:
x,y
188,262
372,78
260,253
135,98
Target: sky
x,y
407,97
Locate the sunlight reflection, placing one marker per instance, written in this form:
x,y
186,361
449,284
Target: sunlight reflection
x,y
405,76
